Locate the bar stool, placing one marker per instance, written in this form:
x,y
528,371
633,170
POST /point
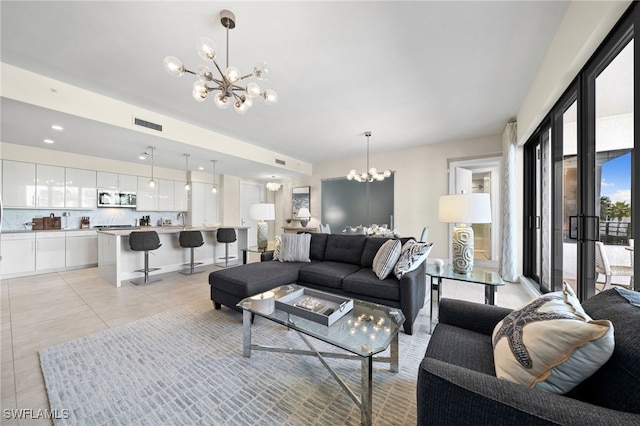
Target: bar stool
x,y
226,236
191,239
144,241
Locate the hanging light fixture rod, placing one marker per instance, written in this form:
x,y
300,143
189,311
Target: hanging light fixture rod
x,y
215,188
152,182
187,187
226,83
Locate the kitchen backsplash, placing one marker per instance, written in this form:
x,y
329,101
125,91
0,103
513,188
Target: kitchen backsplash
x,y
15,219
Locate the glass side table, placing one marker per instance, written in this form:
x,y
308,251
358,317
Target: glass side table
x,y
246,251
490,279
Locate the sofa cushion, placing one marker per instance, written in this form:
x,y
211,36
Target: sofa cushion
x,y
386,258
253,278
370,249
318,245
344,248
412,255
616,384
327,273
551,344
295,248
366,282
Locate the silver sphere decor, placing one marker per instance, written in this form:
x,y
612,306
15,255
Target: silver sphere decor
x,y
462,245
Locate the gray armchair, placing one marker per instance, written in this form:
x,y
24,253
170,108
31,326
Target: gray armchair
x,y
457,383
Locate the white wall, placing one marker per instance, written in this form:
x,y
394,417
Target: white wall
x,y
421,177
584,26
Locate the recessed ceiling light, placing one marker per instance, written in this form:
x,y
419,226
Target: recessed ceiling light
x,y
57,127
142,157
48,141
200,168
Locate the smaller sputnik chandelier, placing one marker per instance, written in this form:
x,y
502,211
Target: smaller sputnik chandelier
x,y
227,89
370,174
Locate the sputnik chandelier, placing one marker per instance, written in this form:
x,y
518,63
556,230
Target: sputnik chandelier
x,y
273,186
370,174
226,87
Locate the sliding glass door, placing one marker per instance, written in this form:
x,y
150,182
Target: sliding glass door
x,y
580,170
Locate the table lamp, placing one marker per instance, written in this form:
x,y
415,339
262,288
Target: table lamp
x,y
303,216
262,212
463,209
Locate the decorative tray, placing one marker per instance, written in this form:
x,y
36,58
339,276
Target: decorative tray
x,y
315,305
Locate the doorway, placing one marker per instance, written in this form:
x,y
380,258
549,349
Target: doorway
x,y
480,175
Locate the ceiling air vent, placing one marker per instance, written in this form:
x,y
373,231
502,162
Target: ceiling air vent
x,y
281,162
148,124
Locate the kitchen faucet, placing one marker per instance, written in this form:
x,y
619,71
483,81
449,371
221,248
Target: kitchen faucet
x,y
181,216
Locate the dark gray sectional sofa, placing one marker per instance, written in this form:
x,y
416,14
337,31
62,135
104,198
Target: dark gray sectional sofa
x,y
457,384
340,264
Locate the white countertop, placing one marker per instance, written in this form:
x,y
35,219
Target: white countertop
x,y
166,229
127,231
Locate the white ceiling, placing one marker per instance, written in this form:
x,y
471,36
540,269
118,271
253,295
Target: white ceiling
x,y
413,73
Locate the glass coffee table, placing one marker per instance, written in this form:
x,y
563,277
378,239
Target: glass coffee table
x,y
365,331
490,279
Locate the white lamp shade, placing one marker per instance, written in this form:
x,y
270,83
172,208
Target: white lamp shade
x,y
304,213
262,211
465,208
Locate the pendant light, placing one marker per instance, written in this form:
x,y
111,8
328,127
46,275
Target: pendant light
x,y
370,174
187,187
152,182
215,188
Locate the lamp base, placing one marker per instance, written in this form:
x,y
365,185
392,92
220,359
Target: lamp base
x,y
304,222
263,235
462,244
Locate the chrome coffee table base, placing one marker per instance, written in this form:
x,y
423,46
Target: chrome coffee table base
x,y
365,400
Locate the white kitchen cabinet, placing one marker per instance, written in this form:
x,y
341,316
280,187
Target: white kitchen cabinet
x,y
19,184
127,183
50,186
165,195
82,248
50,250
147,197
18,253
80,189
180,197
117,182
203,204
106,180
210,204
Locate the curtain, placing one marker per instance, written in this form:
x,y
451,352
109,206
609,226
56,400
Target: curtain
x,y
508,260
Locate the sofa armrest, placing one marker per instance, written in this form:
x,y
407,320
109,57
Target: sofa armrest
x,y
412,293
471,316
266,255
451,395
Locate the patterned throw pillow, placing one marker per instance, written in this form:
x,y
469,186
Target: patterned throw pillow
x,y
295,248
277,248
386,258
411,256
551,343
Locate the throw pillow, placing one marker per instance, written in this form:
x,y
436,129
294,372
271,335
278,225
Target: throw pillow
x,y
551,343
277,248
295,248
411,256
386,258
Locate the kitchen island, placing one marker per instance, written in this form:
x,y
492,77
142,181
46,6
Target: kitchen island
x,y
118,263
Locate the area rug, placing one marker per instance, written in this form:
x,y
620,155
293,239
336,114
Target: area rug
x,y
185,366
